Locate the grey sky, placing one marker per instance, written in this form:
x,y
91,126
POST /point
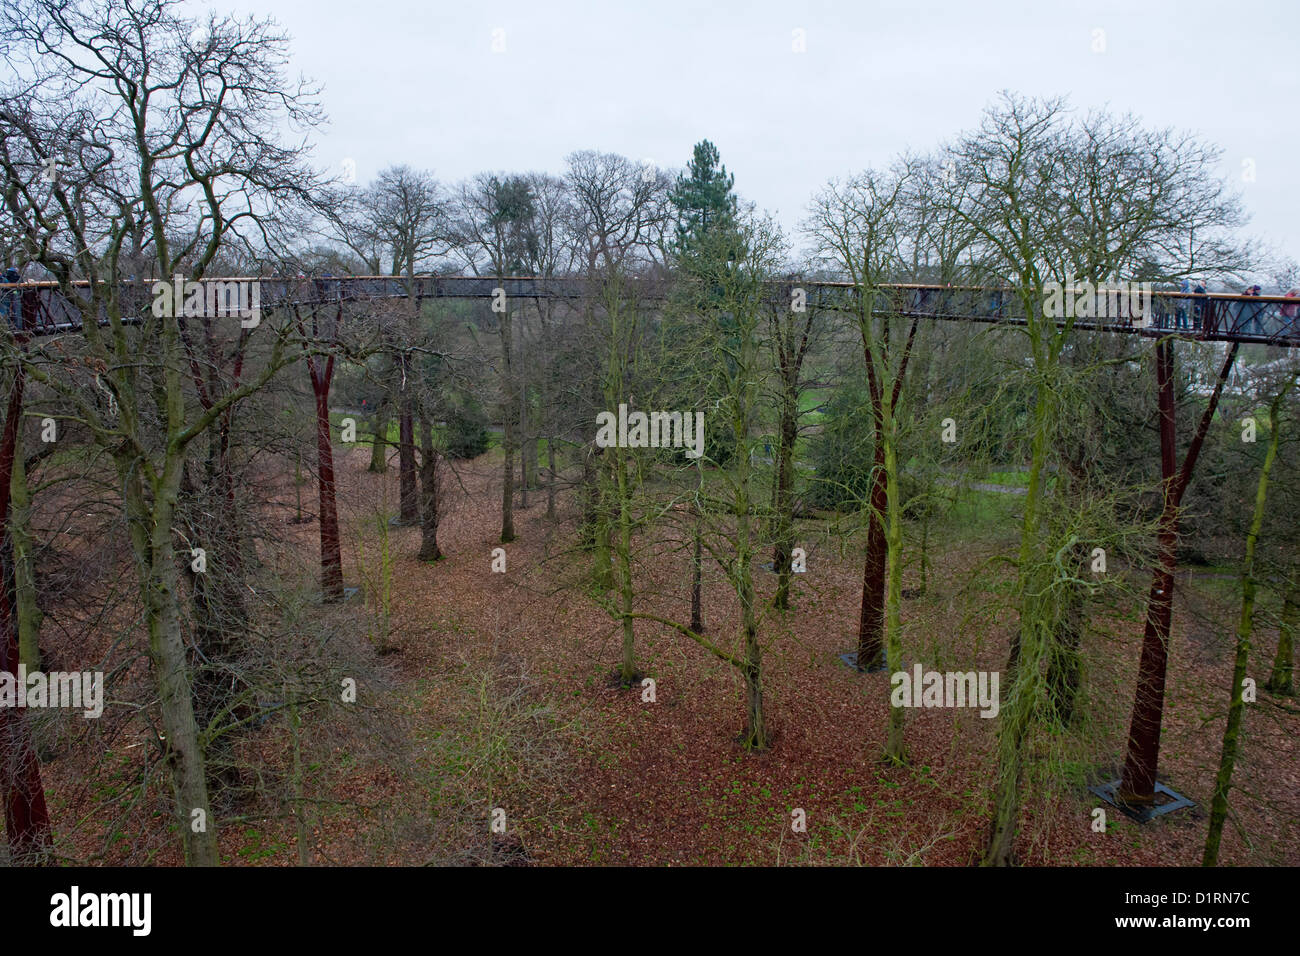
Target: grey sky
x,y
406,82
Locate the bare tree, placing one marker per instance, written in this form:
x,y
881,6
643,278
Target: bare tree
x,y
738,266
620,214
1245,627
493,218
550,250
399,220
858,227
168,131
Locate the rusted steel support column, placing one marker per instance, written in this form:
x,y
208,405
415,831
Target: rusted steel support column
x,y
1137,785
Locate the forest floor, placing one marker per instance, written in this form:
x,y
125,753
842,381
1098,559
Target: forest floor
x,y
492,696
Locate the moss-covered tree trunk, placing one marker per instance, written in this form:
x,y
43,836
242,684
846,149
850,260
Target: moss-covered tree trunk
x,y
1065,668
894,749
880,629
1019,711
743,397
1065,662
623,553
614,532
155,551
755,736
595,496
1245,625
25,602
1282,680
885,386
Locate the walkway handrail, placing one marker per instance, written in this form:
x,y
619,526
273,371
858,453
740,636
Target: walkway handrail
x,y
41,309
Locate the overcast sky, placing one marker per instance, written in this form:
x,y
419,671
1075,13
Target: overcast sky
x,y
420,83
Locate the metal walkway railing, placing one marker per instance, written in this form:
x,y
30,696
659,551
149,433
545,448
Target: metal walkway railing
x,y
41,308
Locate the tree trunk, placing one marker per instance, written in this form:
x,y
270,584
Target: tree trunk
x,y
221,615
784,537
408,490
755,736
1281,680
545,411
1245,624
27,819
507,433
531,458
755,722
303,831
379,445
871,621
409,506
527,447
1006,797
297,483
29,612
331,554
623,549
589,496
697,575
185,752
925,540
524,476
1064,671
601,531
1017,713
894,750
550,478
155,551
430,491
1064,665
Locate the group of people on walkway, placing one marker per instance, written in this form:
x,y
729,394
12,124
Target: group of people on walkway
x,y
1247,318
